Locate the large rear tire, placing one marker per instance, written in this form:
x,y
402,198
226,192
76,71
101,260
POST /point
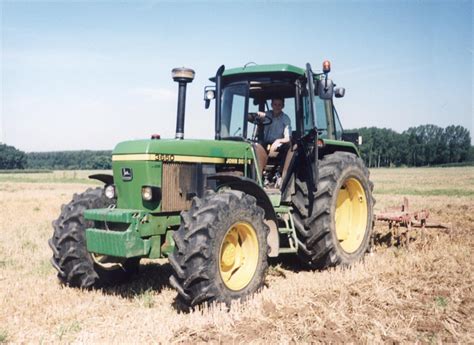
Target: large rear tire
x,y
220,250
75,265
334,224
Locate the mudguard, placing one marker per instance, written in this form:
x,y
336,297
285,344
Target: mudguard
x,y
105,178
250,187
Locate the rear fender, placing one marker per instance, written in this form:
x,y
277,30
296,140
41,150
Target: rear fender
x,y
331,146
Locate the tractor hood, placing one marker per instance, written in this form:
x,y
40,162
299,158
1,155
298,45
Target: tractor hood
x,y
190,150
170,165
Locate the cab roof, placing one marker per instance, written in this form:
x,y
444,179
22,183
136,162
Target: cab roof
x,y
263,70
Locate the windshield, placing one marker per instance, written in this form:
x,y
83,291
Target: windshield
x,y
242,100
324,117
308,121
233,110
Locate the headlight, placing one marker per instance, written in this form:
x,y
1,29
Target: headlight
x,y
110,191
151,193
147,193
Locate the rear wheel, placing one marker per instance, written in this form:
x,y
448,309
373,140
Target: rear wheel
x,y
75,265
334,224
221,249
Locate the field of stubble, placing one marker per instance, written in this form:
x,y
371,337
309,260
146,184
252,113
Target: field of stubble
x,y
420,294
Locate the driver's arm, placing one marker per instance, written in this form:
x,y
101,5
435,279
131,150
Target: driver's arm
x,y
278,142
286,132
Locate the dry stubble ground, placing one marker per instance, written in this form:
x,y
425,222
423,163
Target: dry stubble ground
x,y
420,294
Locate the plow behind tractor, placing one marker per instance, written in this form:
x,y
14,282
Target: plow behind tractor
x,y
404,224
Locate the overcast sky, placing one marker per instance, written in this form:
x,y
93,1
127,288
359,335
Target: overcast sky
x,y
89,74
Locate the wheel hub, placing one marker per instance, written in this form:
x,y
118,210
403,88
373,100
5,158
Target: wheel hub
x,y
238,256
228,255
351,215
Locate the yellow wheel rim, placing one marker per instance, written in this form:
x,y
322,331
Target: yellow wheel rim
x,y
351,215
238,256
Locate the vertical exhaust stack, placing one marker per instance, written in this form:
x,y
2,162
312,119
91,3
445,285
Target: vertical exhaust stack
x,y
182,76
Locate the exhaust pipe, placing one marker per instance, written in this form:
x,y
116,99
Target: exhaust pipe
x,y
219,73
182,76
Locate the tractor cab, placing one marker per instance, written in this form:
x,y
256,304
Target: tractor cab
x,y
247,91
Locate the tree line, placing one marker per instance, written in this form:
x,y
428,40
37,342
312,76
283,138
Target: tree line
x,y
12,158
424,145
70,160
381,147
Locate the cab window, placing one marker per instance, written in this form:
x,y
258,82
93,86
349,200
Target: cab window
x,y
321,118
290,110
233,110
308,123
339,129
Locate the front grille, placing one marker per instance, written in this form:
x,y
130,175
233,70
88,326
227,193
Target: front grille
x,y
180,183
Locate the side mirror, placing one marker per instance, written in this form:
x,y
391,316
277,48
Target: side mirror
x,y
325,89
209,94
352,137
339,92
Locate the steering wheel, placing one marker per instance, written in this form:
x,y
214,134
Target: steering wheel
x,y
258,120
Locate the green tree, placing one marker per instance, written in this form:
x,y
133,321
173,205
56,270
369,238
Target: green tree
x,y
380,147
101,162
470,155
70,160
458,143
12,158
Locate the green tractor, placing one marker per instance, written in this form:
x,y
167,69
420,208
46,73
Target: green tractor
x,y
216,208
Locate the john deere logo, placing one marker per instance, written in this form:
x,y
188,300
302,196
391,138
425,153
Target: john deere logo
x,y
127,174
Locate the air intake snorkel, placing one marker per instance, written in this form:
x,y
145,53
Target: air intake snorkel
x,y
182,76
219,73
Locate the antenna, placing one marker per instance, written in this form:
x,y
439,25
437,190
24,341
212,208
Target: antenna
x,y
248,63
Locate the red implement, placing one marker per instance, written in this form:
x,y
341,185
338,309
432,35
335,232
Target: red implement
x,y
401,216
398,217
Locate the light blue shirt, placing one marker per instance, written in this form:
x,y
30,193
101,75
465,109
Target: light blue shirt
x,y
278,129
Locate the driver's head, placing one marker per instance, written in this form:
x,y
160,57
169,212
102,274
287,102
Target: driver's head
x,y
278,104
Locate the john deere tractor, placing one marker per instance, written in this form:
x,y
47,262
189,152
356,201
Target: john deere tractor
x,y
217,209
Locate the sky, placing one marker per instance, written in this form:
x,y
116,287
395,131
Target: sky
x,y
89,74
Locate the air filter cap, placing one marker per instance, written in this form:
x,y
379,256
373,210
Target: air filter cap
x,y
183,74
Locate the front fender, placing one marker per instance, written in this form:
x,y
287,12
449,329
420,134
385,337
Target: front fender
x,y
105,178
250,187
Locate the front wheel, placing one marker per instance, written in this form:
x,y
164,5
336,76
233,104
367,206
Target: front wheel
x,y
221,249
75,265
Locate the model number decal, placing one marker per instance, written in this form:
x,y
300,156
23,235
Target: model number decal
x,y
237,161
164,157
